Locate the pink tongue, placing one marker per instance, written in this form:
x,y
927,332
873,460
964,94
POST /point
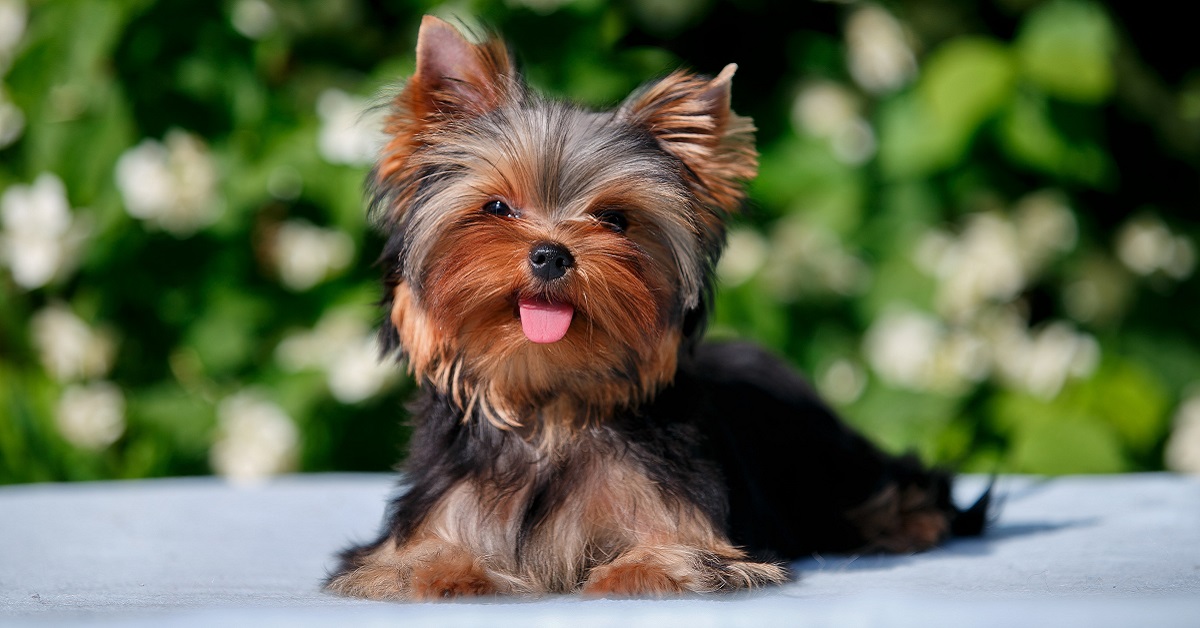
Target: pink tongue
x,y
544,322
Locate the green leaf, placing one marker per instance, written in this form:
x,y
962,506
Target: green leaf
x,y
1028,134
1056,447
912,143
801,176
226,335
1131,401
902,421
77,118
1066,47
965,82
744,308
181,421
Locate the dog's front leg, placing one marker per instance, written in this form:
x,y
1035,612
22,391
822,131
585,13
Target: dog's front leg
x,y
441,570
429,568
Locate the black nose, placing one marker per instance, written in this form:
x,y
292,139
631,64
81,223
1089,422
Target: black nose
x,y
549,260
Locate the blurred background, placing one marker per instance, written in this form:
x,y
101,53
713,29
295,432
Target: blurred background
x,y
975,224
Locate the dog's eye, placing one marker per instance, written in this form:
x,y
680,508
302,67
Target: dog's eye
x,y
614,219
498,208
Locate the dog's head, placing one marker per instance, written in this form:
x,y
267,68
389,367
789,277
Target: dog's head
x,y
539,251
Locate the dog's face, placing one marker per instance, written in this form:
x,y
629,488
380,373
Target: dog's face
x,y
540,251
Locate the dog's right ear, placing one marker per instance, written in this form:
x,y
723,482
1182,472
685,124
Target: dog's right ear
x,y
455,80
455,77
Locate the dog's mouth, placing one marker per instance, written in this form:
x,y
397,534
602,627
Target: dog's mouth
x,y
543,321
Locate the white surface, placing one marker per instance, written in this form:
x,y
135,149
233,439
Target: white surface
x,y
1088,551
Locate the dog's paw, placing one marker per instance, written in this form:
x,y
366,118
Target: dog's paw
x,y
665,571
632,579
427,571
451,579
373,581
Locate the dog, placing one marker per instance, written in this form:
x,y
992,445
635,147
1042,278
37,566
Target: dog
x,y
547,276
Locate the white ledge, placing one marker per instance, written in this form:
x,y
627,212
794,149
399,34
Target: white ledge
x,y
1082,550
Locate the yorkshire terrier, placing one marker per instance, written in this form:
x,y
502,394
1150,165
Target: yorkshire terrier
x,y
547,278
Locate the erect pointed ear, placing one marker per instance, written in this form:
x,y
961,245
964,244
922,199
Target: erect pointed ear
x,y
690,117
456,77
454,80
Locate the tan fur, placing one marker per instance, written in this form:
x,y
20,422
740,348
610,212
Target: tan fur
x,y
465,336
470,268
438,88
671,160
618,536
663,570
425,569
692,118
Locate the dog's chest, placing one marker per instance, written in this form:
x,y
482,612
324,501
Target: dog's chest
x,y
561,521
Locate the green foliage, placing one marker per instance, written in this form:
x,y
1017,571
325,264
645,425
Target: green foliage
x,y
963,84
973,225
1066,48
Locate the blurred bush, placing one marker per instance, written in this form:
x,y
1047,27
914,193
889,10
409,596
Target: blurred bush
x,y
974,224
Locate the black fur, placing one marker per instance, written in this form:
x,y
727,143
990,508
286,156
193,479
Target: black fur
x,y
792,469
738,434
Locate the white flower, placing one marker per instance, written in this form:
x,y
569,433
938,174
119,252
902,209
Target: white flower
x,y
880,59
994,258
285,183
12,120
1146,245
1182,260
745,253
842,381
253,18
145,180
982,264
343,346
1042,361
350,133
806,258
70,349
306,255
855,143
91,416
1055,353
914,350
828,110
356,372
40,238
256,439
318,347
900,344
1183,446
13,18
1045,227
171,185
822,108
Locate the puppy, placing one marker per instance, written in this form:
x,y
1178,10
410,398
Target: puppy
x,y
547,277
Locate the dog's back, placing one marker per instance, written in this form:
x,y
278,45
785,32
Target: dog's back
x,y
799,479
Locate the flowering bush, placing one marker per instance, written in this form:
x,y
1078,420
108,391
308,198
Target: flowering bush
x,y
974,223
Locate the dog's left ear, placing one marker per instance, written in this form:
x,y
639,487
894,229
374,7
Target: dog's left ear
x,y
690,117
